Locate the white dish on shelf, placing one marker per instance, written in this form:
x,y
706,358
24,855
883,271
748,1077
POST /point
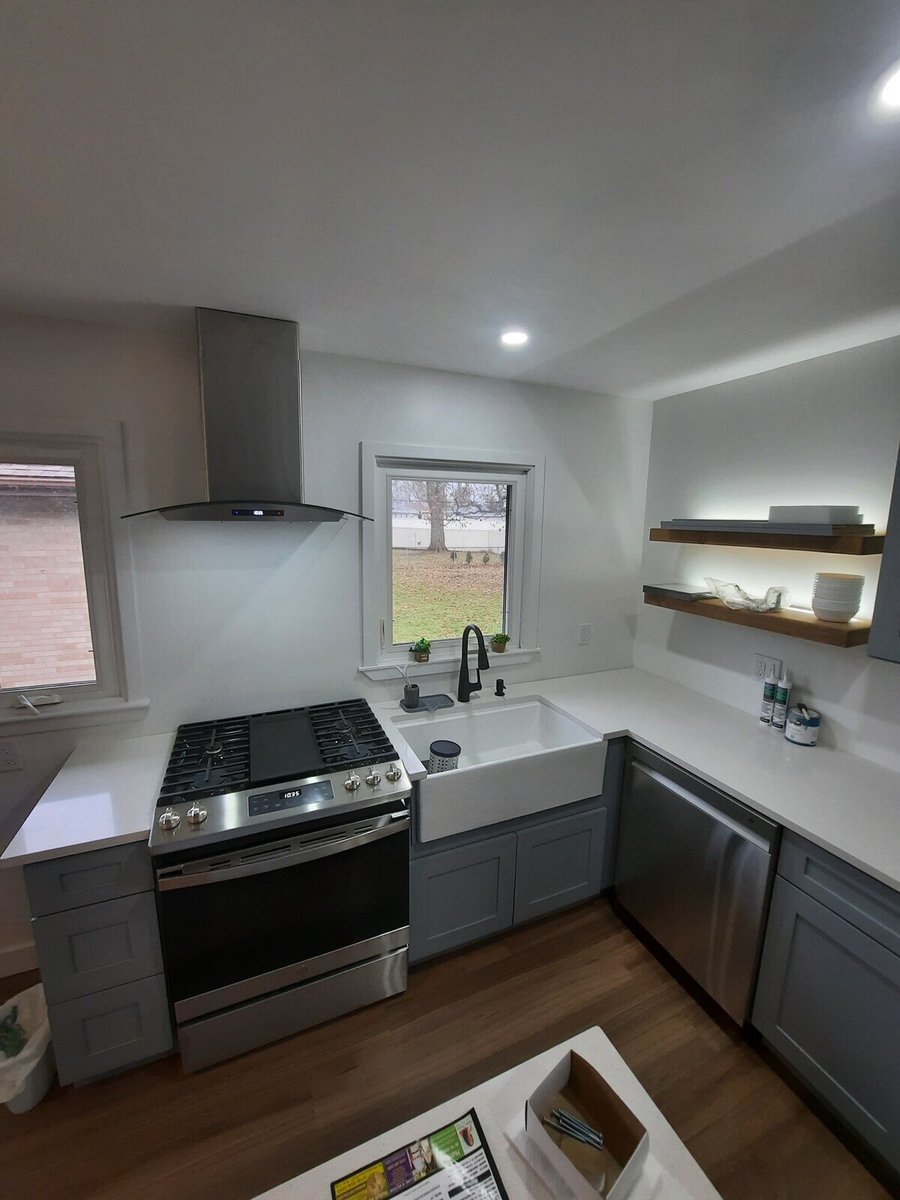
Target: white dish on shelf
x,y
836,613
836,597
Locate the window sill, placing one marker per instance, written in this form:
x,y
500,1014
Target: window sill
x,y
445,664
72,714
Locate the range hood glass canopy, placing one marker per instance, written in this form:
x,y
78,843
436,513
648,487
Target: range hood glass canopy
x,y
250,391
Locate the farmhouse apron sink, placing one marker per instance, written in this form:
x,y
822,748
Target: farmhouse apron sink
x,y
517,757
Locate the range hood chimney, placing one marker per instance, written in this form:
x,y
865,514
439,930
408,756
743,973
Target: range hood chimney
x,y
250,391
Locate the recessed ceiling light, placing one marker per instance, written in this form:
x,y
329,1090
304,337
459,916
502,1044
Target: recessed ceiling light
x,y
889,91
513,338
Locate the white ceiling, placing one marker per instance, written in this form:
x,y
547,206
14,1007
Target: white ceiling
x,y
666,192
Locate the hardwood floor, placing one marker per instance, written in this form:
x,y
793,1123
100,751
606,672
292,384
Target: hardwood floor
x,y
241,1127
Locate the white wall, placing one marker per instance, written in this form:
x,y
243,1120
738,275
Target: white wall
x,y
70,369
236,619
823,431
248,618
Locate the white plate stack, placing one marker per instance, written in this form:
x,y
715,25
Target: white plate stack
x,y
836,597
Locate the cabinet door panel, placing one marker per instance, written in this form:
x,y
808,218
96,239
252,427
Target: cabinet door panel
x,y
78,879
95,1035
559,863
828,1000
458,896
865,902
99,946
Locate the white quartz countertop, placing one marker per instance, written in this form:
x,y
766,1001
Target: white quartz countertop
x,y
670,1172
838,800
102,796
105,793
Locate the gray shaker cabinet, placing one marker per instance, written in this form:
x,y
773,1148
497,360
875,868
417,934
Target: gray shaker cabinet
x,y
97,938
88,949
57,884
828,996
559,863
461,895
111,1030
479,883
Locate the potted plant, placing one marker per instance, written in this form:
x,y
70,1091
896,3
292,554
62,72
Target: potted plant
x,y
498,642
421,649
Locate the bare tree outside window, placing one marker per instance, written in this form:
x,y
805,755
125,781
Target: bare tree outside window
x,y
449,552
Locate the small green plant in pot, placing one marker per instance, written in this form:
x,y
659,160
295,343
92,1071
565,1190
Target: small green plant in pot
x,y
421,649
498,642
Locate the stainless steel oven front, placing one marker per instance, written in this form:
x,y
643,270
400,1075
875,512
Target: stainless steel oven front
x,y
275,932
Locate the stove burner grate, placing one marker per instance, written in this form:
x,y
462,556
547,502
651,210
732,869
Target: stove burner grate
x,y
211,758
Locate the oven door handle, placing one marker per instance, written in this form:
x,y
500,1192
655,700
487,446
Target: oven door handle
x,y
169,878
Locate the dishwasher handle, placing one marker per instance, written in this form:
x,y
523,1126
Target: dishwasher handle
x,y
711,810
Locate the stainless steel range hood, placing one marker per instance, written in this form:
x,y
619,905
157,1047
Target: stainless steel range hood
x,y
250,391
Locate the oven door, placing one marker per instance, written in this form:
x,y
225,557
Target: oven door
x,y
248,921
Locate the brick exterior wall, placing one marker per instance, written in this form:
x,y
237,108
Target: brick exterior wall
x,y
45,633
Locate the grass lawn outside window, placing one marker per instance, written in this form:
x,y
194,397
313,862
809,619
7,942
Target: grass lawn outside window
x,y
436,596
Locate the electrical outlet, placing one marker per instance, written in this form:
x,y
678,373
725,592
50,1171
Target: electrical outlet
x,y
584,634
9,760
766,665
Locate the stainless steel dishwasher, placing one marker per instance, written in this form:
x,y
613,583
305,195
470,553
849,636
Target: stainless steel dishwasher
x,y
694,868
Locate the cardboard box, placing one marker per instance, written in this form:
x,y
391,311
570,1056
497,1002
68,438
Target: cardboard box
x,y
575,1086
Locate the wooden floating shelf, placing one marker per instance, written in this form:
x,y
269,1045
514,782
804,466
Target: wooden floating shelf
x,y
843,543
790,621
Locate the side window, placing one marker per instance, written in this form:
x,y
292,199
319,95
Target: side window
x,y
58,616
454,542
45,632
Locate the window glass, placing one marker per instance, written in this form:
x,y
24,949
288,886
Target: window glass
x,y
448,557
453,541
45,628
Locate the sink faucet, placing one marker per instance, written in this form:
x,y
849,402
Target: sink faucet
x,y
466,687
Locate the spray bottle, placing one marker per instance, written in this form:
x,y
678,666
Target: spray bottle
x,y
768,697
782,696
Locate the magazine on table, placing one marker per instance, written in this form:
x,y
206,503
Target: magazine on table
x,y
452,1163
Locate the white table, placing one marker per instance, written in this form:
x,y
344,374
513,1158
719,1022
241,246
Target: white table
x,y
670,1172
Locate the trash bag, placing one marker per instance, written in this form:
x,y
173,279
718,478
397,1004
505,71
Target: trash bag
x,y
26,1057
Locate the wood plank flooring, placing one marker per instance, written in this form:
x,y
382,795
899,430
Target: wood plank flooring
x,y
241,1127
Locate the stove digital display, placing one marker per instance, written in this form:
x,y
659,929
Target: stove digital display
x,y
310,796
257,512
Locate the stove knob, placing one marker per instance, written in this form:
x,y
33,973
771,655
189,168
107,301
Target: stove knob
x,y
393,773
352,782
373,779
196,814
170,819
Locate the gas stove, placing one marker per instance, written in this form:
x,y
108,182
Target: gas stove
x,y
240,775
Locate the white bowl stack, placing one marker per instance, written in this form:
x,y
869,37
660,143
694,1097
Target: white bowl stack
x,y
836,597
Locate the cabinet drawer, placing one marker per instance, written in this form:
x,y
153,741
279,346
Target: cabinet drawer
x,y
458,896
559,863
100,946
111,1030
62,883
865,902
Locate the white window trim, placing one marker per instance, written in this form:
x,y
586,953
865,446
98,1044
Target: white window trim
x,y
378,461
97,449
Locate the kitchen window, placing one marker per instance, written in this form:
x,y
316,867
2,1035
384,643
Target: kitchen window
x,y
454,541
59,614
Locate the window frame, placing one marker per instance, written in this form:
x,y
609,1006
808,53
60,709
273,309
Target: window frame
x,y
96,451
381,462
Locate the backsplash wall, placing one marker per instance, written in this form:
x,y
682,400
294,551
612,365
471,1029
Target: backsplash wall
x,y
821,432
237,619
